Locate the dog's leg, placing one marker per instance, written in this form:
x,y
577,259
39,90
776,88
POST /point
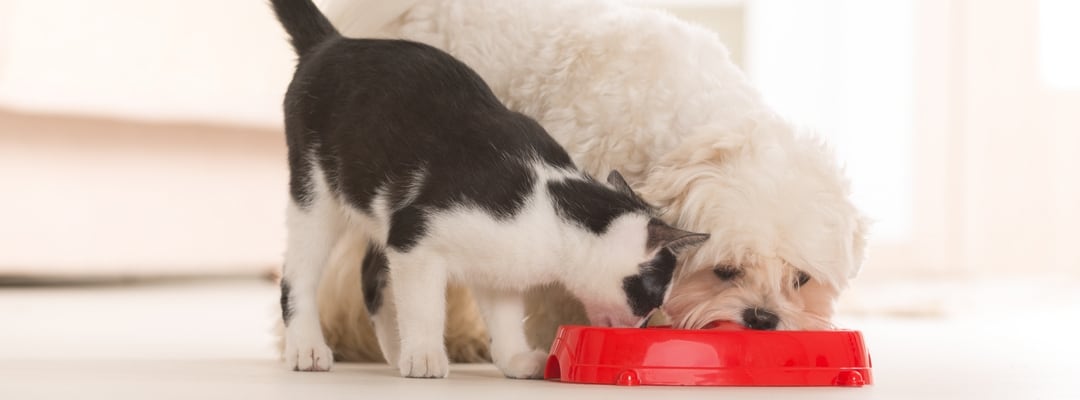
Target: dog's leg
x,y
504,314
418,289
312,233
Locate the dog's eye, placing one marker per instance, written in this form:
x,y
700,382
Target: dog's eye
x,y
801,279
727,272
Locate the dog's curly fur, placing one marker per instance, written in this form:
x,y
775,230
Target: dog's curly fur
x,y
661,101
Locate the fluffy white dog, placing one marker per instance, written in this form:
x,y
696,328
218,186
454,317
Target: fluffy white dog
x,y
661,101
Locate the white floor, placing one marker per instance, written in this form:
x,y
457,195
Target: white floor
x,y
212,340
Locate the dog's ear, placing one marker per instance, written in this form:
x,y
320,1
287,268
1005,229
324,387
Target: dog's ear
x,y
616,180
663,236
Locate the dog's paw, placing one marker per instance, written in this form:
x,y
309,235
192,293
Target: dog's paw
x,y
426,363
307,355
527,365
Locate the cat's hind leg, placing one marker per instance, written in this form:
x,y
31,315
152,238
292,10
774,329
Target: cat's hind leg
x,y
504,315
313,230
374,276
386,332
418,288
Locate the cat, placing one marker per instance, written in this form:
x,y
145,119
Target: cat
x,y
401,145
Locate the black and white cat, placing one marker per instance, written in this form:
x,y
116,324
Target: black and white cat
x,y
399,143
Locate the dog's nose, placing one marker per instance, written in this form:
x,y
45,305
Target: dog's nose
x,y
760,319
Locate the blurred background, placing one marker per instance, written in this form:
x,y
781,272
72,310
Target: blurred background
x,y
141,141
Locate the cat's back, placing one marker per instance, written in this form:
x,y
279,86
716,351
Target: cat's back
x,y
391,76
396,93
376,111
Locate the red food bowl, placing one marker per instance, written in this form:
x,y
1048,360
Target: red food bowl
x,y
726,355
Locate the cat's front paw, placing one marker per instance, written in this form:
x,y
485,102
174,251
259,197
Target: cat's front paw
x,y
307,355
426,363
527,365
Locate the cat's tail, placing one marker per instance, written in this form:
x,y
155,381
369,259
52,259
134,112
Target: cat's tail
x,y
304,22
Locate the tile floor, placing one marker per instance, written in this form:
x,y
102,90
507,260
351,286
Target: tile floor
x,y
210,340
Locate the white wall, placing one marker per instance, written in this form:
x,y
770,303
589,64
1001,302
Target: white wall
x,y
198,59
93,197
1020,141
104,195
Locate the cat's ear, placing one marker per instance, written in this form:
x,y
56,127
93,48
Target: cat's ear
x,y
616,179
662,235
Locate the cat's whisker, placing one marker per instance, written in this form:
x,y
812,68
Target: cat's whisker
x,y
645,321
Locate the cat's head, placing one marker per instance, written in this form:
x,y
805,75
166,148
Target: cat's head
x,y
631,260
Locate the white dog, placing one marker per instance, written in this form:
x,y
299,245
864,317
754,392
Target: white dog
x,y
660,100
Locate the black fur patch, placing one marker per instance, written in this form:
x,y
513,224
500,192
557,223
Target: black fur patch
x,y
300,184
306,25
407,226
374,275
645,291
286,308
503,200
591,205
